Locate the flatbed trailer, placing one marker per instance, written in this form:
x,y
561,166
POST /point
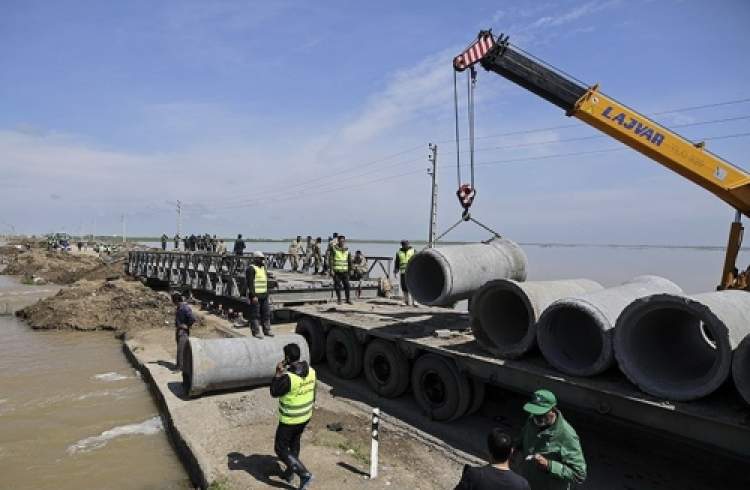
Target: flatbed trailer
x,y
433,350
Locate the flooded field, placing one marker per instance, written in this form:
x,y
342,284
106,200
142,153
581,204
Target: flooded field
x,y
74,414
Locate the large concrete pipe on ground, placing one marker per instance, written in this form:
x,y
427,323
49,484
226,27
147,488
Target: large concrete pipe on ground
x,y
504,313
444,275
240,362
680,348
575,334
741,368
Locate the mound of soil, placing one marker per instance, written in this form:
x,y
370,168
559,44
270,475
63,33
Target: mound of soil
x,y
102,305
60,267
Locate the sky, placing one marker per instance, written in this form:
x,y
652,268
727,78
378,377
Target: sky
x,y
278,118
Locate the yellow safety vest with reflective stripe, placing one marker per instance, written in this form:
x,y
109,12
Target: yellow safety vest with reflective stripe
x,y
404,258
340,260
261,280
296,407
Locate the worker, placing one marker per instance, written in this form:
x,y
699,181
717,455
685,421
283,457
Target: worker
x,y
176,241
550,452
257,294
307,261
403,257
359,266
497,475
341,265
326,262
164,239
294,250
239,245
316,256
294,385
221,249
183,320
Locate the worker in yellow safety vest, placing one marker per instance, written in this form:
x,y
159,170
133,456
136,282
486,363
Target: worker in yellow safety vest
x,y
403,257
256,278
294,385
341,266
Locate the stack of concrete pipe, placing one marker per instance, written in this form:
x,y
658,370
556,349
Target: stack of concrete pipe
x,y
575,333
672,346
504,313
231,363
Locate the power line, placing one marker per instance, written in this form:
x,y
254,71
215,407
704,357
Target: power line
x,y
487,163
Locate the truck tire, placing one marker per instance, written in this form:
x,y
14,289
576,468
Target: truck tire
x,y
343,353
440,389
477,395
313,332
386,369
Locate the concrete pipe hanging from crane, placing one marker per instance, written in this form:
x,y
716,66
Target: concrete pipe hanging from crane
x,y
575,333
680,348
240,362
442,276
504,313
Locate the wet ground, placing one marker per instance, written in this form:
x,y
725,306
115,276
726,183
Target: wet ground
x,y
74,414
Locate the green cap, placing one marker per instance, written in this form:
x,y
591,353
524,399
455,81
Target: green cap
x,y
542,402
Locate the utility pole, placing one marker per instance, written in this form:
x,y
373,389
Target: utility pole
x,y
432,157
179,218
122,218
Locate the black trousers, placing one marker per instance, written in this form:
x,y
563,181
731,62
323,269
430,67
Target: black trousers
x,y
286,445
181,338
340,278
260,312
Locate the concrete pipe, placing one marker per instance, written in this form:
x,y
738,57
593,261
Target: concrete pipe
x,y
741,368
575,334
240,362
444,275
504,313
680,348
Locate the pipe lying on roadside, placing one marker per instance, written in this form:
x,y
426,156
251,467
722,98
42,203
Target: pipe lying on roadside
x,y
575,334
680,348
444,275
504,313
239,362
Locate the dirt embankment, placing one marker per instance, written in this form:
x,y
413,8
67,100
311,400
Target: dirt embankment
x,y
60,267
118,305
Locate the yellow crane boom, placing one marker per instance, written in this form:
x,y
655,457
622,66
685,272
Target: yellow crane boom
x,y
691,160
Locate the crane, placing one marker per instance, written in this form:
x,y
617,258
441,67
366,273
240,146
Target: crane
x,y
589,104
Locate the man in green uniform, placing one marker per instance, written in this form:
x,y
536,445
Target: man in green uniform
x,y
403,256
294,385
256,277
341,266
551,452
316,255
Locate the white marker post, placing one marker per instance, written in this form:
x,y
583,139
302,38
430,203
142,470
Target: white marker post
x,y
375,434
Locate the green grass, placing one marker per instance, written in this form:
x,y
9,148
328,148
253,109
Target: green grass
x,y
220,484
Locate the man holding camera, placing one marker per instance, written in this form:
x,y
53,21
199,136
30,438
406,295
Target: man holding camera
x,y
294,385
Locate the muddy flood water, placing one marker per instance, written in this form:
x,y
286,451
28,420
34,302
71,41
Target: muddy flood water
x,y
74,414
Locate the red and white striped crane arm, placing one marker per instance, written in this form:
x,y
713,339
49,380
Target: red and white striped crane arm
x,y
475,52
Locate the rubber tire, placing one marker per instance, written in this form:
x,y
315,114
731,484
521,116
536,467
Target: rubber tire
x,y
352,365
315,335
477,395
398,380
457,389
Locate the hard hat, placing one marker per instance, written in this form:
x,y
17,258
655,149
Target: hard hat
x,y
258,255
